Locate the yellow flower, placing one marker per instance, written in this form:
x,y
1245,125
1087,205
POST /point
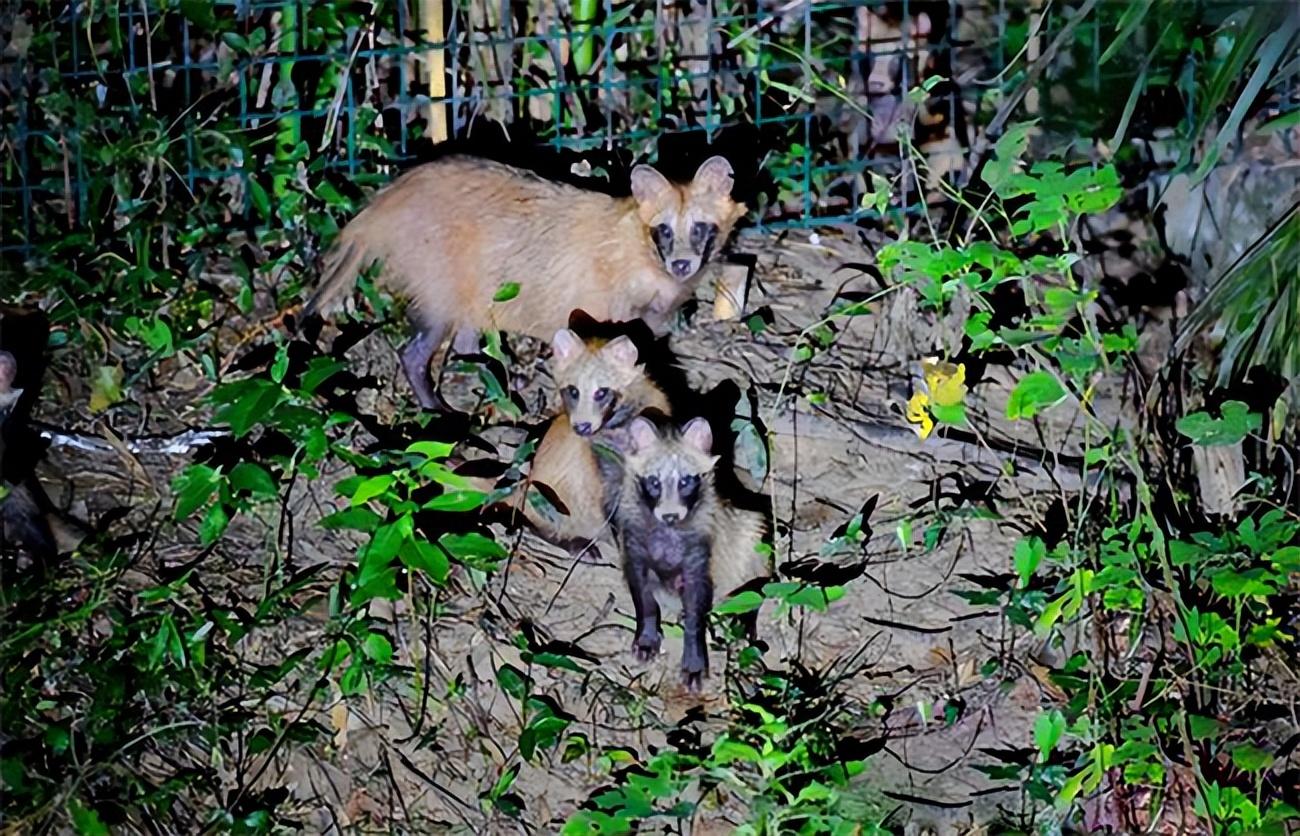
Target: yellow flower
x,y
946,382
917,414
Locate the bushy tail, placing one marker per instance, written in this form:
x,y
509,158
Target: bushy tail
x,y
341,264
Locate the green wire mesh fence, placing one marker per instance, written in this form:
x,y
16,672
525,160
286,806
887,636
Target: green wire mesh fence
x,y
360,85
211,91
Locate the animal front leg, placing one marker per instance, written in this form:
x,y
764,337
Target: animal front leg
x,y
697,600
648,638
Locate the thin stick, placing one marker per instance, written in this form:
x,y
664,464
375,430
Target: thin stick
x,y
437,64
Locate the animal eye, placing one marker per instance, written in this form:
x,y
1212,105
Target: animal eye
x,y
601,394
702,235
664,232
687,484
571,392
650,485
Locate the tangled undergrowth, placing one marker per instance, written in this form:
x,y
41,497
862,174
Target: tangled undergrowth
x,y
144,690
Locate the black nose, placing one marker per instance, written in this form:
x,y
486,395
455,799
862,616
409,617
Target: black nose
x,y
670,518
583,429
681,267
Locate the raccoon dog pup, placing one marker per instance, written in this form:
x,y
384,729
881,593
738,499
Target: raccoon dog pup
x,y
672,529
602,387
450,233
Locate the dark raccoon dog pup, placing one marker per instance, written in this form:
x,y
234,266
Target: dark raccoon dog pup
x,y
677,535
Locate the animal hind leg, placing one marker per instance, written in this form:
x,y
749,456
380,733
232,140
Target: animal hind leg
x,y
416,356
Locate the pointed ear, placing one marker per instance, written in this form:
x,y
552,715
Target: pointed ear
x,y
714,176
8,370
566,345
621,350
648,185
643,434
699,435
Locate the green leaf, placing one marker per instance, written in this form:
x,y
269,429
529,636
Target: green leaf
x,y
954,414
456,501
359,519
1129,22
1048,729
320,370
506,292
513,681
1249,758
85,820
472,545
1248,584
423,556
261,201
194,487
258,398
1236,423
254,478
214,524
1028,555
378,648
199,12
432,449
1035,392
1009,149
1203,728
371,488
743,602
727,750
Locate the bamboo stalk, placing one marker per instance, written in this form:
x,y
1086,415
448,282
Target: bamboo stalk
x,y
436,62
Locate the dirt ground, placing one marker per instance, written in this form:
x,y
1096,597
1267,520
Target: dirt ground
x,y
403,760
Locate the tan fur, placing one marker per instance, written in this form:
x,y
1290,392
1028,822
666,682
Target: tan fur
x,y
737,534
451,232
565,461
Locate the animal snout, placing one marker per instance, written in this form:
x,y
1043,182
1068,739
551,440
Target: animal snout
x,y
681,267
877,86
583,429
670,517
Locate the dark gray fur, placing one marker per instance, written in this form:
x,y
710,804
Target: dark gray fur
x,y
657,555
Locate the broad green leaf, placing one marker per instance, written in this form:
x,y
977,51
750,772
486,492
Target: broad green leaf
x,y
199,12
378,648
506,292
1009,149
743,602
432,449
472,545
195,486
1203,728
1034,393
371,488
1250,758
1236,423
358,518
513,681
1048,729
254,478
1029,553
429,558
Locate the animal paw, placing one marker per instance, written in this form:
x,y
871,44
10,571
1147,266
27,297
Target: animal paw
x,y
694,681
646,647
